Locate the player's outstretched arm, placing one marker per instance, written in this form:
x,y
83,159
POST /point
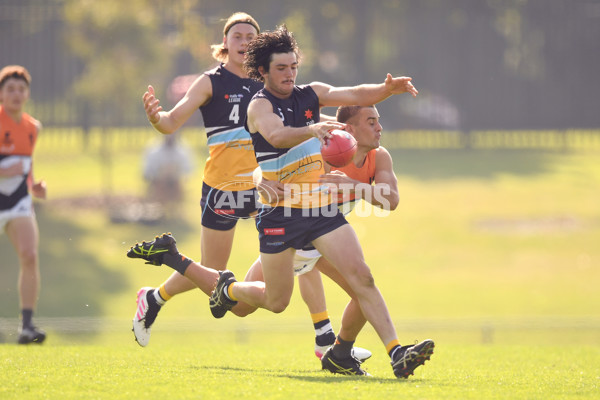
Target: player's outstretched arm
x,y
365,94
169,121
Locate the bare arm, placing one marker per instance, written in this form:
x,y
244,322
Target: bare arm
x,y
365,94
262,119
325,117
38,189
386,184
169,121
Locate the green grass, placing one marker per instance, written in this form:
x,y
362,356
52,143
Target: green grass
x,y
494,254
276,367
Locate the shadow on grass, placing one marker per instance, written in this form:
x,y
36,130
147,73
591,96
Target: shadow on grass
x,y
478,164
75,281
301,375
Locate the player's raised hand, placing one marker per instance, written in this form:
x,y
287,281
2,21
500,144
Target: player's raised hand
x,y
151,105
400,85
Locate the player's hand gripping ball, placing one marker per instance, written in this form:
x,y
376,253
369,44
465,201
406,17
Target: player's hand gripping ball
x,y
339,149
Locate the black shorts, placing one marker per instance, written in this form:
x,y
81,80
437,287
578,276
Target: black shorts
x,y
280,228
221,209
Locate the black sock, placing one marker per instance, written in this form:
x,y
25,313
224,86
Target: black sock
x,y
324,335
325,339
151,299
26,315
342,348
393,351
178,262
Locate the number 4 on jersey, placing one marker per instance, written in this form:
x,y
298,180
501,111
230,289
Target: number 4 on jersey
x,y
234,115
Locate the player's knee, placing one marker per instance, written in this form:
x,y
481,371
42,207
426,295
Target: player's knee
x,y
28,258
363,277
278,305
242,311
366,278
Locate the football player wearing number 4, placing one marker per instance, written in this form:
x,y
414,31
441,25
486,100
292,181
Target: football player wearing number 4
x,y
222,95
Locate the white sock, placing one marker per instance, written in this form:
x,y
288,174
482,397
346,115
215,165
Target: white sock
x,y
324,329
161,302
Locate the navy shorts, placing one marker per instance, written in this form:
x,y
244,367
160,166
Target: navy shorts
x,y
222,209
280,228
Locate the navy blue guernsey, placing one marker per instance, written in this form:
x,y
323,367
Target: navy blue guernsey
x,y
302,164
231,156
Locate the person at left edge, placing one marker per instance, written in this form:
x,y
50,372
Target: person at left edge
x,y
19,133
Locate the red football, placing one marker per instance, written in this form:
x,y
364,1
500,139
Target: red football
x,y
339,149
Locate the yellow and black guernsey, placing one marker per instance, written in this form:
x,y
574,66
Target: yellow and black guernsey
x,y
300,166
231,158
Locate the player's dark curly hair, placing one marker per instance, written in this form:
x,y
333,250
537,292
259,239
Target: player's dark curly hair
x,y
261,49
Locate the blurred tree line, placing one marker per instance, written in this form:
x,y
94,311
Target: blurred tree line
x,y
478,64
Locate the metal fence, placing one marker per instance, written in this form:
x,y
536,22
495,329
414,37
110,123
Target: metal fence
x,y
116,139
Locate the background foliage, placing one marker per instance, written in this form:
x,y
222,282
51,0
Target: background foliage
x,y
510,64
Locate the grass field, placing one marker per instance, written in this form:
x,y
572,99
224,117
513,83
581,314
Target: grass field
x,y
203,366
493,254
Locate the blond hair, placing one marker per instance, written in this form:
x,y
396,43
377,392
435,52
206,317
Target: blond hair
x,y
219,52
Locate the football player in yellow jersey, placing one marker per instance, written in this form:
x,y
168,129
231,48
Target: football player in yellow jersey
x,y
222,95
274,61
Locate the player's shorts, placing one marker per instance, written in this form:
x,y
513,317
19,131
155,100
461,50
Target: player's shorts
x,y
305,261
23,208
222,209
281,228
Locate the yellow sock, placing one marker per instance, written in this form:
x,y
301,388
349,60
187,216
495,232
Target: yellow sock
x,y
391,345
318,317
230,292
163,292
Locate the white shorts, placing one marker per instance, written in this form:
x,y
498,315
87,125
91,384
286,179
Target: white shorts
x,y
305,260
24,208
